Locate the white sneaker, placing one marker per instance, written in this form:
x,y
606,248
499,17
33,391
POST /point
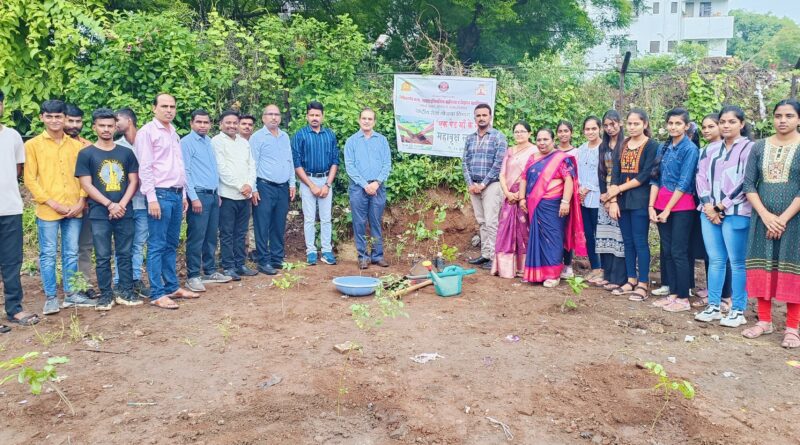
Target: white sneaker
x,y
734,319
567,272
711,313
661,291
551,283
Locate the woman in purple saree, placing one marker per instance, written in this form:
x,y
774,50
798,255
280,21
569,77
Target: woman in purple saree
x,y
512,228
553,207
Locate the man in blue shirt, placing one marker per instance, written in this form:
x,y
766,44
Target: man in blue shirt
x,y
202,220
275,187
316,160
368,162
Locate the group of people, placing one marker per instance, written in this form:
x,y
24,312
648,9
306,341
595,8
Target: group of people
x,y
131,187
733,203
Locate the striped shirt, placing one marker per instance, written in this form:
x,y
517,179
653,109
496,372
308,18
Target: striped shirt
x,y
315,151
721,175
483,157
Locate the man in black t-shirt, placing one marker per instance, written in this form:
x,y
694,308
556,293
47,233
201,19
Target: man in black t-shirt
x,y
109,175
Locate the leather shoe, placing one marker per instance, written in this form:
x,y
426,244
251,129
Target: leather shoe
x,y
381,262
267,270
478,261
363,264
487,265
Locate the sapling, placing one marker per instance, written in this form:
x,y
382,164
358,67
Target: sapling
x,y
226,328
78,283
667,387
577,285
35,379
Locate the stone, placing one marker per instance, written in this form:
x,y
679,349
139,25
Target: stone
x,y
655,328
399,433
347,346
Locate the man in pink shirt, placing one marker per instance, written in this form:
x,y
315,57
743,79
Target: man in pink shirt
x,y
163,180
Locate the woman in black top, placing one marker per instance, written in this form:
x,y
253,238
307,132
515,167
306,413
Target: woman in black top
x,y
629,195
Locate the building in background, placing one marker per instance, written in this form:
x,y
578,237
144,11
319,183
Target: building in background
x,y
661,25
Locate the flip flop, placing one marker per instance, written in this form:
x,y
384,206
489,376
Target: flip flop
x,y
4,329
26,320
164,303
184,293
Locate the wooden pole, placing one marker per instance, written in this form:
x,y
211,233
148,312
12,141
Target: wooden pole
x,y
622,70
793,93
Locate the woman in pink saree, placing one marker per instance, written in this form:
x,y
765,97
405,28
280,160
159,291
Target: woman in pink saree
x,y
512,228
553,207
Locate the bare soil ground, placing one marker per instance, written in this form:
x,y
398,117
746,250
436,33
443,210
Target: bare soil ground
x,y
193,376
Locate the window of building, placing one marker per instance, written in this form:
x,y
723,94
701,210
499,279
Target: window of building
x,y
671,45
673,8
657,7
705,9
655,46
689,10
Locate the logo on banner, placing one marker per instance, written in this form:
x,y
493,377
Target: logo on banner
x,y
443,86
406,87
481,91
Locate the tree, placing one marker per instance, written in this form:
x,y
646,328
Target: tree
x,y
765,39
40,48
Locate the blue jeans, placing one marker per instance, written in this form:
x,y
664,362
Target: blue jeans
x,y
201,236
590,229
634,225
310,204
162,244
367,209
120,232
48,248
727,241
139,240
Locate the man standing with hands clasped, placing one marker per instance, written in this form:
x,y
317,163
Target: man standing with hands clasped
x,y
368,162
316,160
483,157
109,174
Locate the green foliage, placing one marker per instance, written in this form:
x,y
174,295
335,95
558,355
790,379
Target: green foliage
x,y
449,253
765,39
577,284
28,375
704,96
78,283
41,47
384,305
668,385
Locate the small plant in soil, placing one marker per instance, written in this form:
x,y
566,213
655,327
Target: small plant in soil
x,y
48,338
226,328
668,386
36,378
287,281
75,331
78,283
449,253
29,267
577,285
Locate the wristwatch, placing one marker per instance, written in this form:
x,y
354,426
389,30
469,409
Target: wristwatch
x,y
329,185
717,209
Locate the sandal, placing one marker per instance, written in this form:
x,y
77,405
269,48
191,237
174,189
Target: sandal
x,y
700,302
622,290
639,296
4,329
725,303
610,286
184,293
760,328
164,302
678,305
791,339
25,319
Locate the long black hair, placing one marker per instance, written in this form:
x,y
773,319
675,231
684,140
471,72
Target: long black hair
x,y
605,146
648,131
684,115
739,114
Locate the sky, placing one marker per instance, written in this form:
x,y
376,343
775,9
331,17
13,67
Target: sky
x,y
786,8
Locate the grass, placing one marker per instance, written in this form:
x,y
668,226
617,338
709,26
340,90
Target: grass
x,y
48,338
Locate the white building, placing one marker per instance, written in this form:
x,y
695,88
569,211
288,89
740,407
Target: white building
x,y
662,25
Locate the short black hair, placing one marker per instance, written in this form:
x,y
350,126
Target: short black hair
x,y
679,112
103,113
155,99
315,105
199,112
227,113
53,106
127,112
247,116
486,106
73,110
2,96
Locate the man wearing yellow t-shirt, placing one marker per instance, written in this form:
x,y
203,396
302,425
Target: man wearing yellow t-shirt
x,y
50,176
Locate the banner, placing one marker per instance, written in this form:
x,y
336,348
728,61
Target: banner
x,y
435,114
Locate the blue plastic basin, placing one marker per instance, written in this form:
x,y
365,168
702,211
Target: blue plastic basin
x,y
356,286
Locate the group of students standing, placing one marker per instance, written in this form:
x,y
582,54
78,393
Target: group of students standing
x,y
116,196
736,199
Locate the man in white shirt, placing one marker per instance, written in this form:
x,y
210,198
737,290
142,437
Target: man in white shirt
x,y
12,157
237,180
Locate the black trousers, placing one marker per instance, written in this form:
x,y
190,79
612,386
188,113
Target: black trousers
x,y
269,218
120,233
675,235
234,219
11,262
614,269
